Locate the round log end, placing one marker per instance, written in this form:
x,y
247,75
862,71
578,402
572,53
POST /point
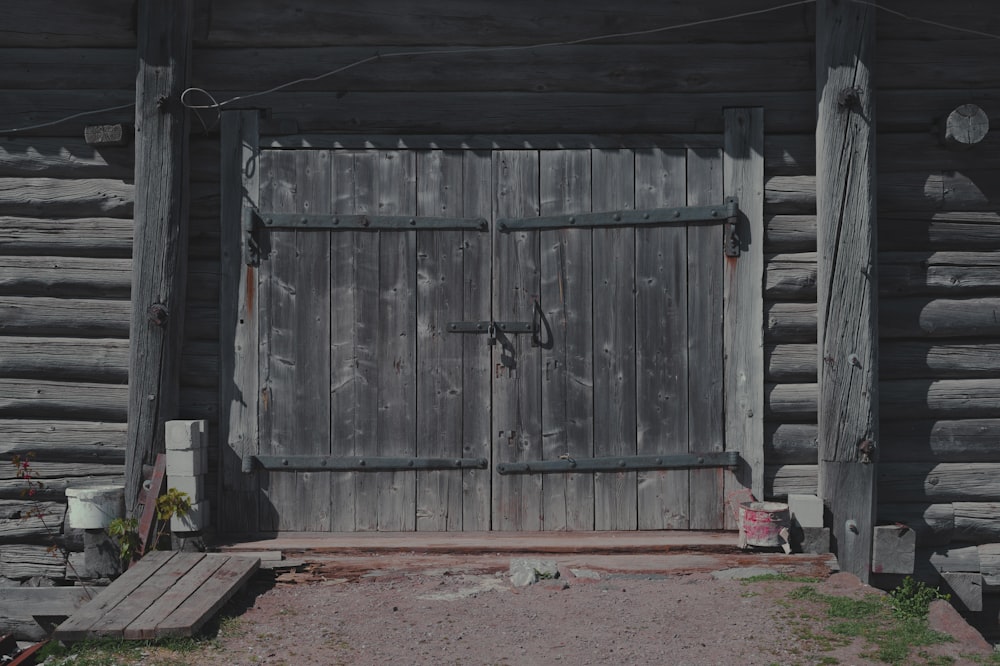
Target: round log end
x,y
965,127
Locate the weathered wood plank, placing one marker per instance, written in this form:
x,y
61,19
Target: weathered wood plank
x,y
78,197
82,359
145,625
661,314
343,374
706,410
396,340
477,201
48,601
58,479
633,67
88,236
67,68
206,601
567,379
65,157
27,398
393,22
367,304
48,24
439,270
20,561
743,171
938,482
161,210
65,277
615,498
28,521
78,626
517,499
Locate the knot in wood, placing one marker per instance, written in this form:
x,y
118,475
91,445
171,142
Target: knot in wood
x,y
866,448
157,314
849,98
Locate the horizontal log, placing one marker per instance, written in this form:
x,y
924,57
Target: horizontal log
x,y
47,23
790,276
933,523
63,157
977,522
789,322
602,67
790,233
945,398
790,443
454,22
19,562
26,398
939,231
44,601
790,402
64,441
67,68
938,273
790,195
65,277
789,154
939,317
59,197
790,362
90,237
780,481
85,359
927,440
55,487
938,482
65,316
949,559
30,521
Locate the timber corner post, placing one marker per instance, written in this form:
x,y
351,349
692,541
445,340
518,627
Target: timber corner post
x,y
159,247
847,274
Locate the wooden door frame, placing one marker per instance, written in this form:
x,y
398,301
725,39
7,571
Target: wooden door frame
x,y
241,142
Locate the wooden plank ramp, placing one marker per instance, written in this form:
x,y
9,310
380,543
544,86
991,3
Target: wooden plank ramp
x,y
164,594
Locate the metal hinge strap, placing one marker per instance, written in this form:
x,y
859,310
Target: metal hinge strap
x,y
570,465
624,218
271,220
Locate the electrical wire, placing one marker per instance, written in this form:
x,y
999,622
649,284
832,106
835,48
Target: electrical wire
x,y
68,118
917,19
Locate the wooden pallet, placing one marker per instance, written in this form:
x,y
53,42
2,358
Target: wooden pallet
x,y
164,594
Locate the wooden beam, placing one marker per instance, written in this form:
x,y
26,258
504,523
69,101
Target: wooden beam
x,y
847,290
743,335
160,243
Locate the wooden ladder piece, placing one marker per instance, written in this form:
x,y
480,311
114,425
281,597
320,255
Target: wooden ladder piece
x,y
147,498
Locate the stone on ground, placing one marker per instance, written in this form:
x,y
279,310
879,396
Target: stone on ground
x,y
524,572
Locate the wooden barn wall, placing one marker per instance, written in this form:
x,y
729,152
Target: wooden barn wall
x,y
65,207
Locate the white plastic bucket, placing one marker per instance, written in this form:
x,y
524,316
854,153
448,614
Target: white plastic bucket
x,y
95,507
762,523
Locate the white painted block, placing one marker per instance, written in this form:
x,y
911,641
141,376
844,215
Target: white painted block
x,y
185,462
194,520
194,486
181,435
806,510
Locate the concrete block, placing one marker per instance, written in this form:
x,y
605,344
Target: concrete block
x,y
194,520
810,539
181,435
194,486
806,510
894,549
185,462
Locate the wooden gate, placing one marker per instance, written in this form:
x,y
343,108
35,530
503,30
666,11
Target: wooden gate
x,y
446,319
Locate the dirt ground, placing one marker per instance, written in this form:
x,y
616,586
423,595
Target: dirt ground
x,y
600,610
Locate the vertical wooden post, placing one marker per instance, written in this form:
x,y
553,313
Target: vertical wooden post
x,y
847,274
159,251
743,305
238,325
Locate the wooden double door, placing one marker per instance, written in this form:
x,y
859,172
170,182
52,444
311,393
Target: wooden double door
x,y
599,341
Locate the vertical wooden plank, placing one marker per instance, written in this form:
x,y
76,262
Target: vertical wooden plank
x,y
159,245
366,308
661,340
567,352
743,306
846,284
439,357
517,499
614,340
705,381
238,326
343,370
296,420
477,201
396,348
